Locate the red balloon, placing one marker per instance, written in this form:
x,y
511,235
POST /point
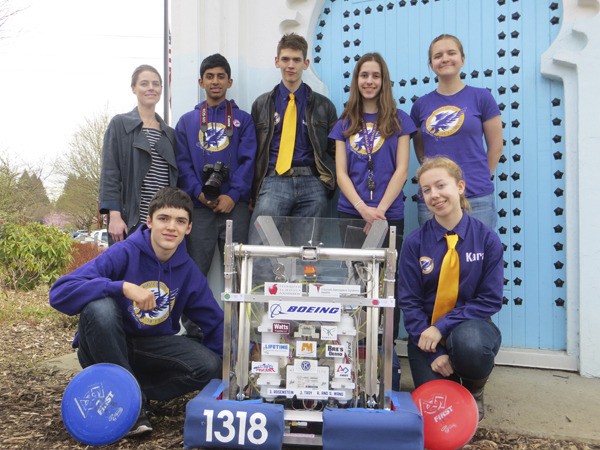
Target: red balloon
x,y
449,413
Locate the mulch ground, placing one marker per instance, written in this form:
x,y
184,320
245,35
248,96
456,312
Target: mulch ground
x,y
31,393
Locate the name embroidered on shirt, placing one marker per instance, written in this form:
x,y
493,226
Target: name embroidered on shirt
x,y
472,257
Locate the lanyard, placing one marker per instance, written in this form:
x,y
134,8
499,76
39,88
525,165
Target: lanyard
x,y
369,144
228,119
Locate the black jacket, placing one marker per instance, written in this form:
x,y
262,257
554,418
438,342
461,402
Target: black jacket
x,y
126,158
320,118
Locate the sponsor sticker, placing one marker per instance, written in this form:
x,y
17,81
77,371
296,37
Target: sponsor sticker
x,y
317,379
279,391
281,327
316,394
334,351
307,311
269,349
305,366
343,371
333,290
284,289
328,332
264,367
306,349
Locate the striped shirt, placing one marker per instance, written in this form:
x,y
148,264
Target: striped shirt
x,y
157,176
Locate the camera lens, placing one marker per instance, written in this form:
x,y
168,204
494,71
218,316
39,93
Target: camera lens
x,y
212,187
215,174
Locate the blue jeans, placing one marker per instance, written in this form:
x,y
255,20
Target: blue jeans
x,y
303,196
208,230
471,346
482,208
165,366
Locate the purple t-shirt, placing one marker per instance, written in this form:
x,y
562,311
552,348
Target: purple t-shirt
x,y
452,126
384,160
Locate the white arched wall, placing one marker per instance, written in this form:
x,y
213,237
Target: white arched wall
x,y
247,32
574,59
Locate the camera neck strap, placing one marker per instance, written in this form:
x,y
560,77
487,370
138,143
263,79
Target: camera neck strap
x,y
228,118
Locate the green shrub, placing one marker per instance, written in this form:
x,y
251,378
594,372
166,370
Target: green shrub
x,y
31,255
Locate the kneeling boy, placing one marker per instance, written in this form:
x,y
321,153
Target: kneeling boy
x,y
130,300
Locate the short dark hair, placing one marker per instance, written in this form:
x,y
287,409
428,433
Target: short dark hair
x,y
171,197
212,61
293,41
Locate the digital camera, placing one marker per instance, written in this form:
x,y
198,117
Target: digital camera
x,y
214,176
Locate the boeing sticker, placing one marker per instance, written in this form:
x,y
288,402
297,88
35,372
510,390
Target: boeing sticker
x,y
310,311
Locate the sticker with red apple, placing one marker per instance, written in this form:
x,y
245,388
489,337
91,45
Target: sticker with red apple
x,y
283,289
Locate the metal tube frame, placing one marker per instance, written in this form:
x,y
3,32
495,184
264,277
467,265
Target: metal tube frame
x,y
378,389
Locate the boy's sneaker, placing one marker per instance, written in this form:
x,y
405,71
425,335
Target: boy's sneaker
x,y
141,426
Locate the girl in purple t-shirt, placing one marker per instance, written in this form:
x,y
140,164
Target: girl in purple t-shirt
x,y
453,121
372,152
372,147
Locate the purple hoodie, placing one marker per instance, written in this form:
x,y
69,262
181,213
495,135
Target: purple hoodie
x,y
237,151
178,285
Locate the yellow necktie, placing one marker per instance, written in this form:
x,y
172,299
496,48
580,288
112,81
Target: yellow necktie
x,y
288,138
447,292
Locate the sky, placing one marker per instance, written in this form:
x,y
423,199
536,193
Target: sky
x,y
62,61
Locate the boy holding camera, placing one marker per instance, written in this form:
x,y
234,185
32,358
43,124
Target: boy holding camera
x,y
216,145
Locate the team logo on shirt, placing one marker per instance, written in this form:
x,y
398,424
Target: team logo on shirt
x,y
361,140
165,299
214,139
426,264
445,121
276,118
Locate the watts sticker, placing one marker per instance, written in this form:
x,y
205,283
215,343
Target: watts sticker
x,y
281,328
306,349
334,351
343,371
308,311
275,349
263,367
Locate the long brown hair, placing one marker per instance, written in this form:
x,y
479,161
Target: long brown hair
x,y
441,162
387,119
